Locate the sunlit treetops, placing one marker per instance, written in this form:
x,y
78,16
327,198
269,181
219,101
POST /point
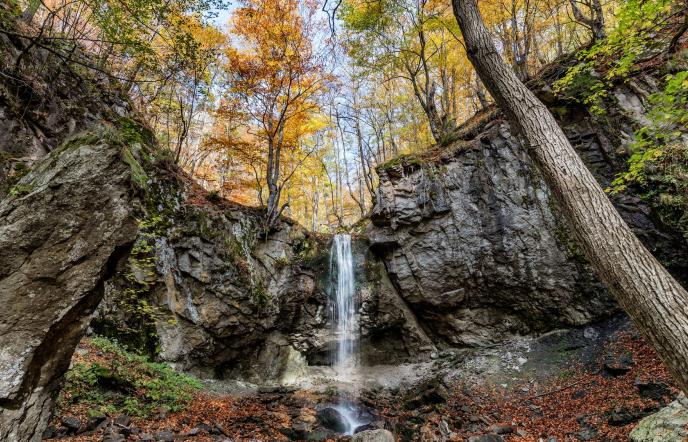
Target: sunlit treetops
x,y
287,108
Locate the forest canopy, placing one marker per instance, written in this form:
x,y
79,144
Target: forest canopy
x,y
291,105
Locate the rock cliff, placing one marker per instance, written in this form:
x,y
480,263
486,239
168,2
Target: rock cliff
x,y
61,229
225,300
472,239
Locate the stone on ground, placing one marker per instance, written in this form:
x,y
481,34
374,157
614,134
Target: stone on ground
x,y
373,436
667,425
332,420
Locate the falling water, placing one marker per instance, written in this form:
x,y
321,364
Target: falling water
x,y
344,311
345,358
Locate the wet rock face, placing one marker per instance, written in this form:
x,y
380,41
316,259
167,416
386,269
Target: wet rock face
x,y
476,246
389,330
59,233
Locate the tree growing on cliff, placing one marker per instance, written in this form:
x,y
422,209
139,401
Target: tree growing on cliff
x,y
276,77
655,301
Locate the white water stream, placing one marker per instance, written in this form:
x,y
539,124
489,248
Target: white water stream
x,y
345,357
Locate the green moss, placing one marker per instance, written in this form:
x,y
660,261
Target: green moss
x,y
5,157
132,131
134,138
405,161
311,251
20,189
564,238
87,138
260,296
9,14
199,222
138,175
430,158
236,259
122,382
164,157
282,262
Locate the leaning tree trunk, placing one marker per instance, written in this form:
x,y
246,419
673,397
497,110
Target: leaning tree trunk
x,y
656,303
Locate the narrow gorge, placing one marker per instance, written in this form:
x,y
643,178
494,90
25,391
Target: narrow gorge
x,y
463,275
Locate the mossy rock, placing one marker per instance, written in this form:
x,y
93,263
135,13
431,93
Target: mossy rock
x,y
667,425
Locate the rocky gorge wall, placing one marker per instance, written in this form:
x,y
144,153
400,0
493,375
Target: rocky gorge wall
x,y
466,250
474,242
224,301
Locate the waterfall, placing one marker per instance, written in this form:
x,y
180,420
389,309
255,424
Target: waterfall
x,y
344,358
345,325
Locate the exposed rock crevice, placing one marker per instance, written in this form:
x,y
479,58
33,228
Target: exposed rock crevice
x,y
475,244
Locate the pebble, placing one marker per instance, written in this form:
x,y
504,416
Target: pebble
x,y
71,423
164,436
500,428
123,420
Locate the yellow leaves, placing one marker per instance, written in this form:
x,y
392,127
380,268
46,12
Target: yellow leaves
x,y
275,79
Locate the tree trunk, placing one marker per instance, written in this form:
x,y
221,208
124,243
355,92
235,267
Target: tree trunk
x,y
480,92
596,20
673,45
271,177
656,303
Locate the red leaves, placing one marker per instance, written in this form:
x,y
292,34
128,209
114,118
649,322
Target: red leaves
x,y
566,405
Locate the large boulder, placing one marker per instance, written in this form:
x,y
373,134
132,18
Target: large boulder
x,y
62,227
667,425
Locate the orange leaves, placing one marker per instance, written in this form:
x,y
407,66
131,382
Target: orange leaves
x,y
276,77
564,405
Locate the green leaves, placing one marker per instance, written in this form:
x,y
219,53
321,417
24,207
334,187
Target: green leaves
x,y
112,380
659,159
614,58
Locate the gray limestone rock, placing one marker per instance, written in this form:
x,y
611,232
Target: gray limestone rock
x,y
373,436
58,238
478,251
476,246
667,425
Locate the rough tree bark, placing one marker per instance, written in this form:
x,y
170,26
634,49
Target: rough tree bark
x,y
656,303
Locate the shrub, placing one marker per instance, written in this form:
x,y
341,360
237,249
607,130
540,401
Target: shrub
x,y
108,379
